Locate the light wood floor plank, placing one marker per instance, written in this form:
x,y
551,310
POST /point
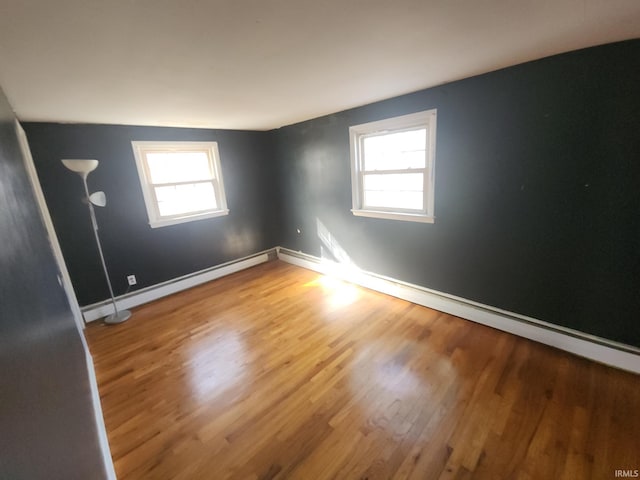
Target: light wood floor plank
x,y
277,372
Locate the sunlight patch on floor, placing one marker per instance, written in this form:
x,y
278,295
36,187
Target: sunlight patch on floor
x,y
216,365
338,294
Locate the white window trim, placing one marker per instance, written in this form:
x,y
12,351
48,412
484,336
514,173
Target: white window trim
x,y
426,119
155,220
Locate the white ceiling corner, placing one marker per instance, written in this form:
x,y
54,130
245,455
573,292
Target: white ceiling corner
x,y
255,64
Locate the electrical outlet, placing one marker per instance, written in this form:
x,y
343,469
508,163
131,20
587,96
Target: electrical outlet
x,y
131,279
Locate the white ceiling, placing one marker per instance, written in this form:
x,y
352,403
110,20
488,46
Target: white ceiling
x,y
261,64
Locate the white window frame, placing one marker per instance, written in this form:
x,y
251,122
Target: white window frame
x,y
140,149
357,134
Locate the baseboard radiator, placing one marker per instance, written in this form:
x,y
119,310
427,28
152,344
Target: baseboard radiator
x,y
619,355
154,292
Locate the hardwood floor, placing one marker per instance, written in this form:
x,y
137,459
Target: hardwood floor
x,y
278,372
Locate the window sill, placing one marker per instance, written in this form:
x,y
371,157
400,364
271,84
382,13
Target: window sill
x,y
407,217
187,218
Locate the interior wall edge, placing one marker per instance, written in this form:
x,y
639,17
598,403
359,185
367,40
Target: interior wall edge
x,y
97,410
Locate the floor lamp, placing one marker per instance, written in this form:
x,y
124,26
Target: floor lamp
x,y
83,168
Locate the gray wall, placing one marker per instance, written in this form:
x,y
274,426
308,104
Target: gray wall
x,y
537,198
47,425
537,195
130,245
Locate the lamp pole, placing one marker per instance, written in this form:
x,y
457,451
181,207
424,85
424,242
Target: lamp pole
x,y
83,168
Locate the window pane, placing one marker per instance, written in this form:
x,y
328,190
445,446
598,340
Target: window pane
x,y
394,199
183,199
394,181
394,190
174,167
395,151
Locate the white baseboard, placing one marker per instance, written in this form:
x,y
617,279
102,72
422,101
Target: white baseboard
x,y
625,357
99,419
133,299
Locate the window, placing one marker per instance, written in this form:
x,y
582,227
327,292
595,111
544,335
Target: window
x,y
392,167
181,181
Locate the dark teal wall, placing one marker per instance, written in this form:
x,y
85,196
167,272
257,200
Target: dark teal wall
x,y
47,424
130,245
537,196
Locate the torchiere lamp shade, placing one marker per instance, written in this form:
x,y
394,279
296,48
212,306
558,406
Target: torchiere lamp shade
x,y
83,167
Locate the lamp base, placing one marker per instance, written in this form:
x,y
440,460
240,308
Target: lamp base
x,y
121,316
